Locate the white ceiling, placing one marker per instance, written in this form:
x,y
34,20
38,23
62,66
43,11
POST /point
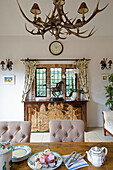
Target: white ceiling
x,y
12,22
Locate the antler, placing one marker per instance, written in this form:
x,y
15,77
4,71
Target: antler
x,y
24,14
79,34
58,20
96,11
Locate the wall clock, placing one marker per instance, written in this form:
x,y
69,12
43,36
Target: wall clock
x,y
56,48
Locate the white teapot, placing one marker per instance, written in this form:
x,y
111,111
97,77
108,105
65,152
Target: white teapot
x,y
97,155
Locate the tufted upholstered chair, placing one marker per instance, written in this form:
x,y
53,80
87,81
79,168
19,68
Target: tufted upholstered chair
x,y
14,131
108,122
66,130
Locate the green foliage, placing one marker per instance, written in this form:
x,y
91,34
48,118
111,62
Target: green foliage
x,y
109,92
111,78
73,90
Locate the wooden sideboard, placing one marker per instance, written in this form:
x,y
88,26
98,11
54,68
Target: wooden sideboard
x,y
40,112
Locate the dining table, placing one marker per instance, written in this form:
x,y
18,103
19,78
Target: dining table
x,y
66,148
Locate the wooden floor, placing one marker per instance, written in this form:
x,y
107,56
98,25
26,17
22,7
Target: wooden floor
x,y
92,135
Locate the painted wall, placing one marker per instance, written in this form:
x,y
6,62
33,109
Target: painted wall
x,y
18,47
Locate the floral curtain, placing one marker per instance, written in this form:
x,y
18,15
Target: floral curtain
x,y
30,67
82,65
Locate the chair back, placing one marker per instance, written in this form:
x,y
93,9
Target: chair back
x,y
108,122
66,130
15,131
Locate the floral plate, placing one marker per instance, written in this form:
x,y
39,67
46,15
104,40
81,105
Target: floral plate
x,y
32,159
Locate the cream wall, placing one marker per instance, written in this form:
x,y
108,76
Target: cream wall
x,y
18,47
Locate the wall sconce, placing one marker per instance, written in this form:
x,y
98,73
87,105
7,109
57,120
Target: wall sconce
x,y
7,65
105,64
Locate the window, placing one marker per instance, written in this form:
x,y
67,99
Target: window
x,y
40,82
55,76
71,82
47,75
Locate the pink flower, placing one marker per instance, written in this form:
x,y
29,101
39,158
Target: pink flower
x,y
50,157
47,159
42,159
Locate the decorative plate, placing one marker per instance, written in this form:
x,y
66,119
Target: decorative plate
x,y
20,151
32,159
21,159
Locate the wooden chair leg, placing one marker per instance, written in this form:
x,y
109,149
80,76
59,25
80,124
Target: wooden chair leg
x,y
104,132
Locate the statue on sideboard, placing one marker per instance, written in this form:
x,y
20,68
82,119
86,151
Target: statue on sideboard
x,y
57,91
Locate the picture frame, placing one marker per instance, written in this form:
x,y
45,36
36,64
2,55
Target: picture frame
x,y
9,79
105,77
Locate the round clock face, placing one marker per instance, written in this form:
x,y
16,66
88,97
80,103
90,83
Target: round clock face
x,y
56,47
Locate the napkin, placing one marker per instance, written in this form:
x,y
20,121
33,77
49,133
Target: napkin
x,y
78,164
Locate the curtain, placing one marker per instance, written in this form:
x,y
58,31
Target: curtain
x,y
82,65
30,67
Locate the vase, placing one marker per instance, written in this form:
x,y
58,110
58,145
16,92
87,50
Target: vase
x,y
82,97
6,155
74,96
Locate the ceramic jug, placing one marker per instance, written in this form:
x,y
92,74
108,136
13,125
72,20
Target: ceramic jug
x,y
97,155
5,155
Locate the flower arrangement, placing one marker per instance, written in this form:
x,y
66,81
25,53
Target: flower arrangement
x,y
45,159
74,71
73,90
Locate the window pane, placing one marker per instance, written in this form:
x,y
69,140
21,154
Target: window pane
x,y
41,90
56,76
70,81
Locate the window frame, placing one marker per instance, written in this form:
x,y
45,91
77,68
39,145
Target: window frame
x,y
75,80
48,91
54,79
36,82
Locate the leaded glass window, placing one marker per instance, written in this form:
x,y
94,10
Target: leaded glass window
x,y
55,76
71,82
40,82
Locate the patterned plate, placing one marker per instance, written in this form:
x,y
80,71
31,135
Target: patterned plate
x,y
32,159
20,151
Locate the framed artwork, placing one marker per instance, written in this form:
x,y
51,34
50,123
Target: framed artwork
x,y
8,79
105,77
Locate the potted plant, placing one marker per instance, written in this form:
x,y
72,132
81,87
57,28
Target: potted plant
x,y
109,92
74,93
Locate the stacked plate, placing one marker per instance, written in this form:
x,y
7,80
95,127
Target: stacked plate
x,y
20,153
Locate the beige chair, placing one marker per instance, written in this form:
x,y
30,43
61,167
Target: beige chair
x,y
66,130
108,122
15,131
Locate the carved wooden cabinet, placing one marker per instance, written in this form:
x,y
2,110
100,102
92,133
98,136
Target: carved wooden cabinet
x,y
39,113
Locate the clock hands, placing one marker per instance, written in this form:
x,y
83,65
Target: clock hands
x,y
57,46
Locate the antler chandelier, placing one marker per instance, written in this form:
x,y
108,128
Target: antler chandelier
x,y
58,23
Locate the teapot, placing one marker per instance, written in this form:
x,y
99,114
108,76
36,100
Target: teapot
x,y
97,155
